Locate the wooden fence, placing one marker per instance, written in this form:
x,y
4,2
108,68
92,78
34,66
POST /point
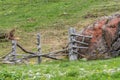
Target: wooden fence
x,y
74,44
72,50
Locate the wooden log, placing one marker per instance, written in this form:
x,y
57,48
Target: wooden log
x,y
80,47
39,48
70,45
24,50
12,55
55,52
46,56
75,34
75,44
59,55
42,55
72,55
14,45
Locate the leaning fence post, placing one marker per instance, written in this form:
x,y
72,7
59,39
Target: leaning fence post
x,y
72,55
39,48
13,54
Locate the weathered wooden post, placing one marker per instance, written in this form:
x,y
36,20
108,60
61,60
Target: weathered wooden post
x,y
39,48
75,44
72,55
13,54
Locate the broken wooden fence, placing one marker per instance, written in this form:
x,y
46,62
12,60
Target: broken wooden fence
x,y
72,49
12,57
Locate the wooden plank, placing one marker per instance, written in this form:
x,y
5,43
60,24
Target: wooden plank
x,y
74,34
80,47
80,42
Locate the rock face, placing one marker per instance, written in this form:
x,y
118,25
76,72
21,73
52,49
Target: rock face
x,y
105,40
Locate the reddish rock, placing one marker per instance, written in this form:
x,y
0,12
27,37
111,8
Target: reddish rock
x,y
103,32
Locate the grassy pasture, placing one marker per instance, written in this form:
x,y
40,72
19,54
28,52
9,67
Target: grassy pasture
x,y
52,18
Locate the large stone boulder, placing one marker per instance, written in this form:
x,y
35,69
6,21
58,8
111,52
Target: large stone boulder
x,y
105,41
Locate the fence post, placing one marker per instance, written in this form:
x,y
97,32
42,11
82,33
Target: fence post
x,y
13,54
39,48
75,44
72,55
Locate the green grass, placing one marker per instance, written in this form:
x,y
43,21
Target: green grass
x,y
53,18
64,70
37,14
